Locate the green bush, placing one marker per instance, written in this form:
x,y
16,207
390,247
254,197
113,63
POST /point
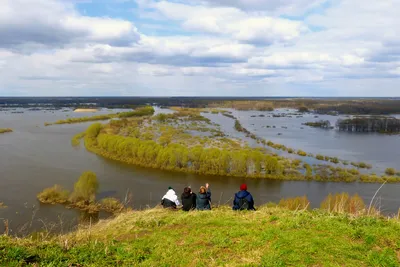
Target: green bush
x,y
390,171
85,188
301,153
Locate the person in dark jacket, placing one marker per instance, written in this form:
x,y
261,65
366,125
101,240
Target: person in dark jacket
x,y
243,199
188,199
203,200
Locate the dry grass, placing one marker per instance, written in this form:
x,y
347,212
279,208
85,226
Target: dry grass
x,y
343,203
53,195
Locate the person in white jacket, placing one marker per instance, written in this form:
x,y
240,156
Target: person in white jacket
x,y
170,199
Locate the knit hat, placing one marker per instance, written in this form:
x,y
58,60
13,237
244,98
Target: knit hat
x,y
243,187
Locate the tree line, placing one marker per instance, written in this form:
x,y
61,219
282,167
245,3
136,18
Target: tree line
x,y
142,111
376,124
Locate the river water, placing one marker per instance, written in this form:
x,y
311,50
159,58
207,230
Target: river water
x,y
34,157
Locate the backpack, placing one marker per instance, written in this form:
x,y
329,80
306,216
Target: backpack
x,y
243,204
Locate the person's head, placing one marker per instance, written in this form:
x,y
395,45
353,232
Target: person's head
x,y
187,190
243,187
202,190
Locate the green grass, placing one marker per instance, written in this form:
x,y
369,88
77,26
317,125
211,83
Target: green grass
x,y
270,236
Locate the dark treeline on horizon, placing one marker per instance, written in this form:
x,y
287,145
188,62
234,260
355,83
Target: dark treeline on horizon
x,y
322,105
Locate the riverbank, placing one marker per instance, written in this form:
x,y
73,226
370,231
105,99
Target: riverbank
x,y
270,236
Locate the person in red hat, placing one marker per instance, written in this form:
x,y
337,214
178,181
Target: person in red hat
x,y
243,199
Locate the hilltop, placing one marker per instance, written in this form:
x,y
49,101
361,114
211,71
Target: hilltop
x,y
271,236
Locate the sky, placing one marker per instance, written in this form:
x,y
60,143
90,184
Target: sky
x,y
199,48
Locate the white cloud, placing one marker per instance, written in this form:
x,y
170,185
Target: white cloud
x,y
49,23
277,7
232,22
201,47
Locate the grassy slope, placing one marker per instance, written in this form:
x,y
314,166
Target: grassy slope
x,y
267,237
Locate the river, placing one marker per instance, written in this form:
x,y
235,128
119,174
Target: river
x,y
34,157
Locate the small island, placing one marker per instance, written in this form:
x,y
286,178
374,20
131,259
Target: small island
x,y
320,124
5,130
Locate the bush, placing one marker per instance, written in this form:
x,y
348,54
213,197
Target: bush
x,y
303,109
301,153
85,188
319,157
296,203
390,171
53,195
111,205
76,140
334,160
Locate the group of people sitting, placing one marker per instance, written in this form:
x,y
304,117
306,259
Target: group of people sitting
x,y
243,200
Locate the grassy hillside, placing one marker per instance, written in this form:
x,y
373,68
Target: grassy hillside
x,y
267,237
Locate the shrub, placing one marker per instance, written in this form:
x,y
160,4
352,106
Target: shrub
x,y
334,160
303,109
161,117
390,171
85,188
53,195
290,150
354,171
2,206
111,205
319,157
296,203
76,140
343,203
301,153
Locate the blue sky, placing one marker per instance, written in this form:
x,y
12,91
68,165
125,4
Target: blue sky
x,y
200,47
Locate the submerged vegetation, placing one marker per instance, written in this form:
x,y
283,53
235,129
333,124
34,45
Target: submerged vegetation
x,y
188,142
142,111
5,130
271,236
375,124
319,124
83,196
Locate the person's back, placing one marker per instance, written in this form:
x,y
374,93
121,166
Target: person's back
x,y
188,199
243,199
203,200
170,200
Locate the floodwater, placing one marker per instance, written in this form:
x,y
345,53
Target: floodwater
x,y
34,157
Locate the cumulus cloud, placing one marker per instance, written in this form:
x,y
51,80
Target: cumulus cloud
x,y
49,23
201,47
278,7
231,22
